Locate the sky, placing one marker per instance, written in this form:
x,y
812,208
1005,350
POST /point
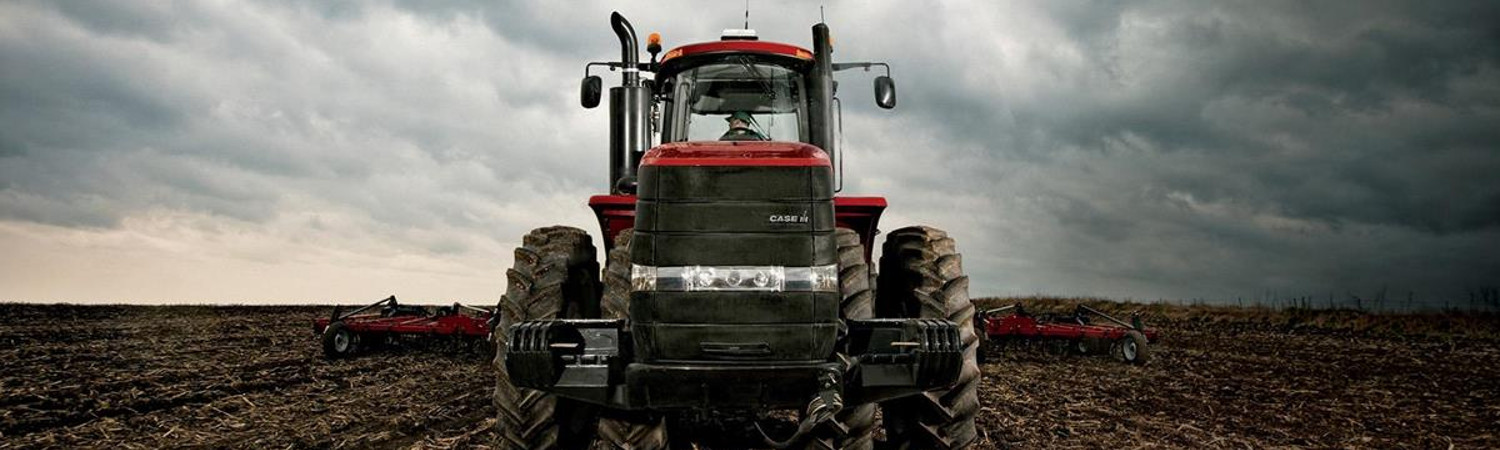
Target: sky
x,y
295,152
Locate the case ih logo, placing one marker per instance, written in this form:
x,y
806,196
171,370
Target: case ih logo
x,y
788,218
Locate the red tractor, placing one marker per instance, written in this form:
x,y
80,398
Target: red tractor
x,y
738,306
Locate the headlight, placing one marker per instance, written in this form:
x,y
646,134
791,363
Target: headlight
x,y
735,278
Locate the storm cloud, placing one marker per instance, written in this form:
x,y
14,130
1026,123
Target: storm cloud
x,y
278,151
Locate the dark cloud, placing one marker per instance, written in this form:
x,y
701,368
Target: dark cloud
x,y
1370,101
1182,150
1149,149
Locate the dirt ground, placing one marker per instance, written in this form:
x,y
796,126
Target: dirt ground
x,y
149,377
222,377
1224,378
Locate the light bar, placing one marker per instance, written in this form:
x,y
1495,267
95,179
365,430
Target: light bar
x,y
743,34
735,278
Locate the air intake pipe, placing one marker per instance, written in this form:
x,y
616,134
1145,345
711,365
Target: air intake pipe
x,y
820,103
629,113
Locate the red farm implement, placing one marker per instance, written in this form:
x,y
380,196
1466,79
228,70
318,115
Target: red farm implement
x,y
387,321
1075,332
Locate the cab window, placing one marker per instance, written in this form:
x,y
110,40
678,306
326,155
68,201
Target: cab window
x,y
764,100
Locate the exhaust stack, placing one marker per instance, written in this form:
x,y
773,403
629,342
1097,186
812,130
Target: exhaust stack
x,y
629,113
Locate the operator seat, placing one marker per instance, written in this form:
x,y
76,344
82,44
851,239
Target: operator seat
x,y
742,134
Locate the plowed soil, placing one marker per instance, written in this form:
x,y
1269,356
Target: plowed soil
x,y
222,377
238,377
1229,378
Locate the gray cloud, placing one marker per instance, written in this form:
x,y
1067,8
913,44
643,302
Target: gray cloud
x,y
1176,150
1152,149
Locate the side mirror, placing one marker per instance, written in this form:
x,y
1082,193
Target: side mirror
x,y
885,92
589,92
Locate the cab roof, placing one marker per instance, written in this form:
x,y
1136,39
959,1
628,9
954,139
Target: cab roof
x,y
689,51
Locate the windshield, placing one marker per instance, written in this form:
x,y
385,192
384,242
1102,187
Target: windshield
x,y
739,100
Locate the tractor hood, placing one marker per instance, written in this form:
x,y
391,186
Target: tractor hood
x,y
737,153
721,205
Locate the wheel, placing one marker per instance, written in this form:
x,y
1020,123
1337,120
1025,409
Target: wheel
x,y
338,341
1132,348
921,276
857,301
1091,346
615,304
981,355
1058,347
1094,346
626,429
581,288
551,279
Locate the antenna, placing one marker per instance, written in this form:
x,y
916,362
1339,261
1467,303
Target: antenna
x,y
821,18
747,14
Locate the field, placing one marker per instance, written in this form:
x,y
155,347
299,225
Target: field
x,y
218,377
148,377
1258,378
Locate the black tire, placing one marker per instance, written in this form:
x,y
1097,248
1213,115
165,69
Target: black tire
x,y
582,287
1099,346
1132,348
1088,345
338,341
551,279
921,276
984,346
981,356
626,429
857,302
615,304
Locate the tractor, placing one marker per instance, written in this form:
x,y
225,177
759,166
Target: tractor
x,y
739,305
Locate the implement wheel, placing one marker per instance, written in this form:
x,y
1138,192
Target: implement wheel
x,y
338,341
1132,348
626,429
1091,346
922,276
555,276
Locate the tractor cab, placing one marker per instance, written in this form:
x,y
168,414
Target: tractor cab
x,y
712,89
737,96
779,92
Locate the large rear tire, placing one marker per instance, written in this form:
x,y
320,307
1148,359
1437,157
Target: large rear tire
x,y
625,429
857,301
554,276
921,276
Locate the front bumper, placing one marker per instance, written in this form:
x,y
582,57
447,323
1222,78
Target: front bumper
x,y
590,361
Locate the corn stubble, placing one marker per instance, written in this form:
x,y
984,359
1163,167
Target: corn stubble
x,y
1223,377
